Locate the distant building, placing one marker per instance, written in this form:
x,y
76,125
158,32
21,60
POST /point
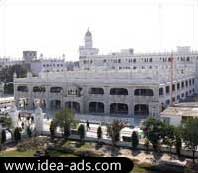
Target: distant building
x,y
179,113
87,49
29,56
125,83
6,62
40,64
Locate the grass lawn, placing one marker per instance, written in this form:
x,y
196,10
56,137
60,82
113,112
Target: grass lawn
x,y
16,153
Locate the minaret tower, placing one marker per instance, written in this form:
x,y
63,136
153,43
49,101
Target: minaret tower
x,y
88,39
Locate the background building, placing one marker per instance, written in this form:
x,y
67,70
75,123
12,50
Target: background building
x,y
119,84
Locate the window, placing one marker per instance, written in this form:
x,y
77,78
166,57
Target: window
x,y
182,84
96,107
22,88
141,109
178,86
173,87
143,92
38,89
186,83
118,108
167,89
96,91
56,89
118,91
190,82
161,91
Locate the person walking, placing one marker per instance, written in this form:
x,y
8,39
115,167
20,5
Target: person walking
x,y
88,128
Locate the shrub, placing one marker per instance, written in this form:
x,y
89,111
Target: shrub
x,y
81,131
29,132
52,129
135,140
17,134
99,132
3,136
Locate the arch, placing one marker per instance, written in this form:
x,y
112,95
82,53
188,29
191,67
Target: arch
x,y
118,108
96,91
118,91
143,92
74,106
96,107
22,88
55,104
38,89
56,89
141,109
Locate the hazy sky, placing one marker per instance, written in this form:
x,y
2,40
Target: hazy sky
x,y
56,27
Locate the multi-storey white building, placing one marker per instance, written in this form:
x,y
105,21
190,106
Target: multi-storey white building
x,y
124,83
44,64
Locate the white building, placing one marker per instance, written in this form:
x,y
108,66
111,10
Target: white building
x,y
5,62
179,113
124,83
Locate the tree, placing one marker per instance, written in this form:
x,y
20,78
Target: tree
x,y
190,135
65,119
29,132
135,140
178,140
153,130
168,135
6,122
52,129
99,133
3,136
178,145
81,132
17,134
113,131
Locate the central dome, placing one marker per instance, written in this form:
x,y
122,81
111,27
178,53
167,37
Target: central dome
x,y
88,33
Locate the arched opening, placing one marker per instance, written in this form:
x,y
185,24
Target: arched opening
x,y
55,104
141,109
96,107
38,89
118,108
74,106
22,88
56,89
96,91
118,91
143,92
